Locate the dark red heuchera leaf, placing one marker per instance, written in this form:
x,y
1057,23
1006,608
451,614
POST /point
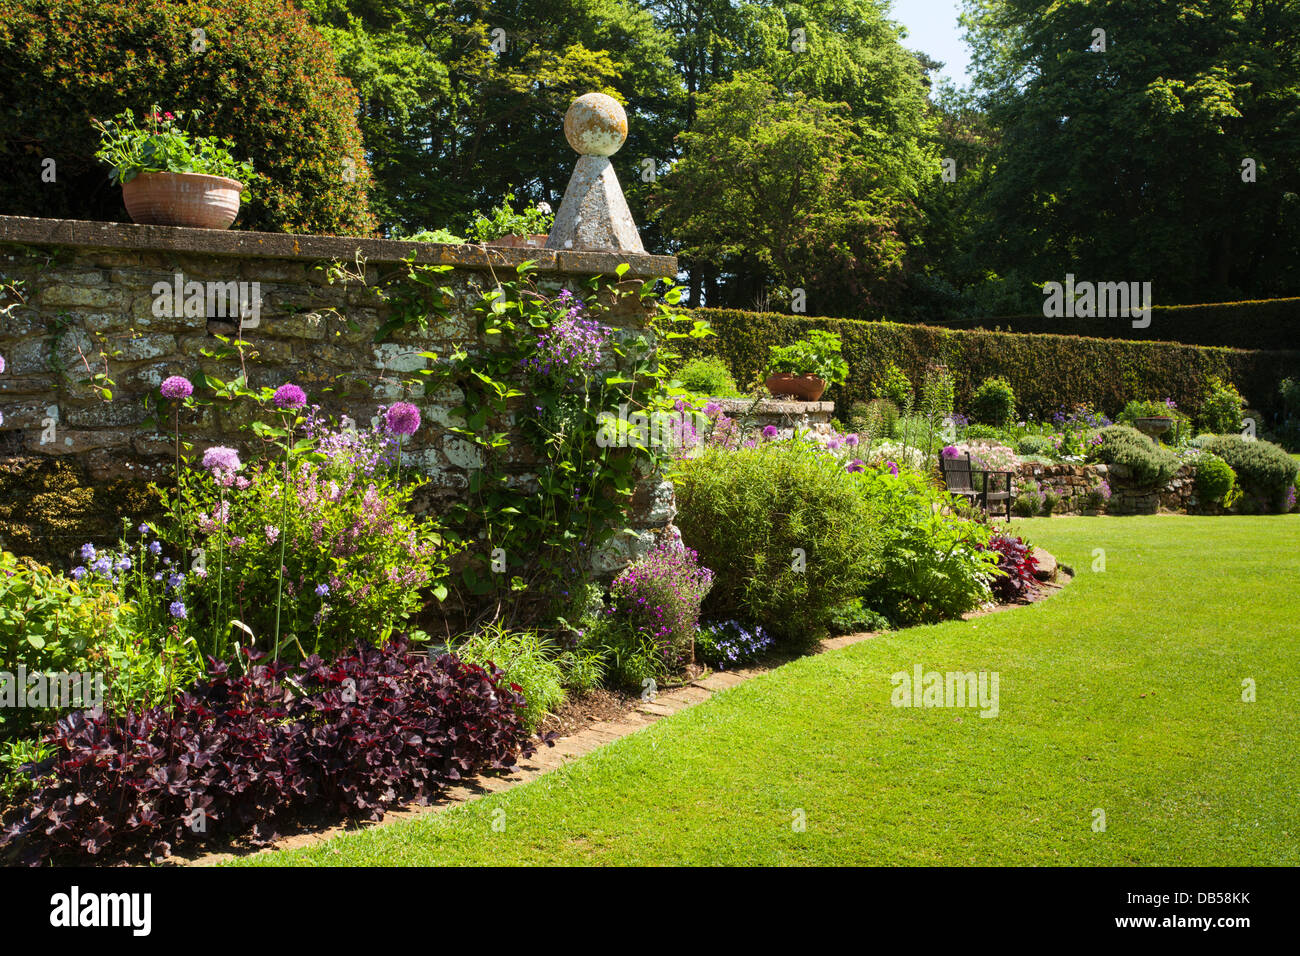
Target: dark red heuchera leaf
x,y
1019,564
238,754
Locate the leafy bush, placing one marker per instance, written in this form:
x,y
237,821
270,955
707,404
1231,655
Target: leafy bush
x,y
1095,498
746,511
659,596
357,562
1029,499
526,659
502,220
1051,502
1216,482
994,403
893,385
934,567
1149,408
241,754
1038,446
1221,407
977,431
730,644
816,354
266,81
1016,566
1265,471
708,376
875,419
1147,462
855,617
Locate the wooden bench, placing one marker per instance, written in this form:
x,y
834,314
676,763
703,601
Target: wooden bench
x,y
960,477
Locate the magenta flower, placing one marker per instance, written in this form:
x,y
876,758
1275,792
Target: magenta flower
x,y
851,440
855,465
177,387
893,468
289,397
950,451
2,364
711,409
771,431
402,419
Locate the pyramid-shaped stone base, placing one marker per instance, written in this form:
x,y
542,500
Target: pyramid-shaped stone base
x,y
594,216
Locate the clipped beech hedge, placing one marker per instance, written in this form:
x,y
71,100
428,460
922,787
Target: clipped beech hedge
x,y
1046,371
262,76
1252,324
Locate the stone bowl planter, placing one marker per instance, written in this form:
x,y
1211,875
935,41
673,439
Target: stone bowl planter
x,y
806,388
515,241
1155,426
182,199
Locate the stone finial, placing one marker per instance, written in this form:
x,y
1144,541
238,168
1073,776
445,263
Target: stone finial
x,y
594,216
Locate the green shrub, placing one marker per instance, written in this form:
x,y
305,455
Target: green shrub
x,y
972,432
266,80
893,385
1029,499
1263,469
708,375
875,419
746,511
1035,445
529,660
1221,408
1147,462
1051,502
1216,482
994,403
503,220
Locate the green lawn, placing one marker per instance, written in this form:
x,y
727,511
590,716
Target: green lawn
x,y
1123,693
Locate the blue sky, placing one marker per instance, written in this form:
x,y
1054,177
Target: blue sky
x,y
932,27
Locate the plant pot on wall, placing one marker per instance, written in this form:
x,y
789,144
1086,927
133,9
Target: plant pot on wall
x,y
807,388
182,199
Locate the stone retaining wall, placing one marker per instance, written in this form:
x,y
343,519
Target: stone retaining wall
x,y
72,462
1071,483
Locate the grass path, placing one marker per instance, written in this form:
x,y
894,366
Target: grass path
x,y
1123,693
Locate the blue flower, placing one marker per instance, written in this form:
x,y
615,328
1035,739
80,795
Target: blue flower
x,y
155,547
78,573
177,609
322,590
87,552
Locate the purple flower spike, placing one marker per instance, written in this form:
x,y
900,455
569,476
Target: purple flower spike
x,y
402,419
177,387
289,397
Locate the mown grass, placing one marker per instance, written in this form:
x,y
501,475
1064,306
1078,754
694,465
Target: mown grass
x,y
1122,694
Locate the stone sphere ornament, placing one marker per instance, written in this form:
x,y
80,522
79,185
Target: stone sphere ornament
x,y
595,125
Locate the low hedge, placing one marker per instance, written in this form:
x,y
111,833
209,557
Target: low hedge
x,y
1148,462
1046,371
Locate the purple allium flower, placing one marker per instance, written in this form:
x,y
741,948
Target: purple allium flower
x,y
893,468
851,440
177,609
402,419
950,451
289,397
178,386
855,465
322,590
771,431
221,461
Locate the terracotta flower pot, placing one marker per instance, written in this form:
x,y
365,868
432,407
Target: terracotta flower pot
x,y
182,199
534,241
806,388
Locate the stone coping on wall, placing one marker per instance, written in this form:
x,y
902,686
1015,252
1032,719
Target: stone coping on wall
x,y
274,245
735,407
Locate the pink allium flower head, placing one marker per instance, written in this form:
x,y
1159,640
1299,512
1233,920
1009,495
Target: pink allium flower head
x,y
289,397
402,419
176,387
770,431
220,460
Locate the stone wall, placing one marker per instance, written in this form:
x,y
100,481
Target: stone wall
x,y
1071,482
72,461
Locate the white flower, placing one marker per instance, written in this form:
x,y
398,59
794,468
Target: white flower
x,y
544,207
